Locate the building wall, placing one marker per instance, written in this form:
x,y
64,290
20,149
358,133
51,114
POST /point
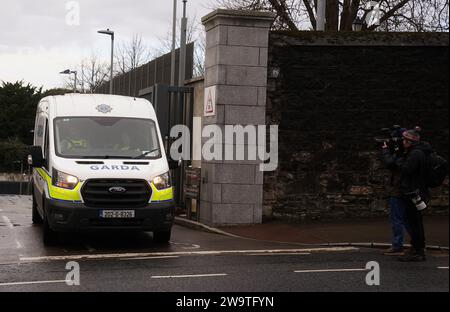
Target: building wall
x,y
330,94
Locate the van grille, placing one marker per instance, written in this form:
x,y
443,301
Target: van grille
x,y
96,193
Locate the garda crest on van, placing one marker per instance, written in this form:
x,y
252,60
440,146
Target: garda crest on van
x,y
104,108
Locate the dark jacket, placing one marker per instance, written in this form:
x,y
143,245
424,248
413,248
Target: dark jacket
x,y
390,160
414,168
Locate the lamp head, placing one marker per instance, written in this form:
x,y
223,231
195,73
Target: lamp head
x,y
106,32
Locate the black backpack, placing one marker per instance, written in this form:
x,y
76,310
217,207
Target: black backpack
x,y
437,170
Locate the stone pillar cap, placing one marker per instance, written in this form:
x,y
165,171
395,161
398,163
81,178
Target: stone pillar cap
x,y
253,15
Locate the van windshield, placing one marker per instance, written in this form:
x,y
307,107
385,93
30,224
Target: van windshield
x,y
106,137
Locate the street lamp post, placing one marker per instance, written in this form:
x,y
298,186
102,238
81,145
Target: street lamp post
x,y
174,33
68,72
357,24
110,33
182,69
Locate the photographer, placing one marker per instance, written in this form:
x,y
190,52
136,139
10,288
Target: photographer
x,y
413,167
397,218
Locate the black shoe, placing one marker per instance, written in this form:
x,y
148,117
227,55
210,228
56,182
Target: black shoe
x,y
394,251
413,257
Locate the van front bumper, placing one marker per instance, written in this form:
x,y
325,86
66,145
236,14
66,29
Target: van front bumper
x,y
77,217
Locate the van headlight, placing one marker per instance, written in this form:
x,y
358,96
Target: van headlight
x,y
64,180
162,181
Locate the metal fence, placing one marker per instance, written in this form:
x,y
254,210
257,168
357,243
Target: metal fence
x,y
147,75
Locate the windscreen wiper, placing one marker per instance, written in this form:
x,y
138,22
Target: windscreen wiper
x,y
108,157
146,153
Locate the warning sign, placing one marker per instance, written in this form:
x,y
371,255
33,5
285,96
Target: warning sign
x,y
210,101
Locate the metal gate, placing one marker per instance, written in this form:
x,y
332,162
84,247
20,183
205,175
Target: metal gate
x,y
173,106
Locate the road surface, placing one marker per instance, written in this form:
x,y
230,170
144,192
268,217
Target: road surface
x,y
194,261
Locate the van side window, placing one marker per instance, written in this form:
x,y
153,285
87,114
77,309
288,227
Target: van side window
x,y
46,145
40,130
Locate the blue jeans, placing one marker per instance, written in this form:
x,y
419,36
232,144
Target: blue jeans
x,y
397,217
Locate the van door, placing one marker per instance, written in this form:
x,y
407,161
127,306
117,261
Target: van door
x,y
39,174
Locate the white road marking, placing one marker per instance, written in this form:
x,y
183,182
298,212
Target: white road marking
x,y
11,226
148,258
280,254
8,222
31,283
443,268
1,210
192,275
190,246
194,246
330,270
180,253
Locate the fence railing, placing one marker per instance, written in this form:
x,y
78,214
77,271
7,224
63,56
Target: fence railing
x,y
154,72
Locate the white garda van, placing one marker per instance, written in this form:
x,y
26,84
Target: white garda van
x,y
99,164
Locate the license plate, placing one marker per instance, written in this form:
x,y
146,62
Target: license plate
x,y
117,214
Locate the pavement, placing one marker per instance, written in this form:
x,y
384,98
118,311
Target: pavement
x,y
375,232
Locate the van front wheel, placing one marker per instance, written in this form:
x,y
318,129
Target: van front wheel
x,y
35,213
162,236
50,237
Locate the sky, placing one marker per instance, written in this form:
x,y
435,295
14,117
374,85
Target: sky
x,y
38,39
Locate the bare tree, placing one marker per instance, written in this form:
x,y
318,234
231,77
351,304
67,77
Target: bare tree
x,y
195,32
394,15
131,55
95,73
421,16
199,55
91,74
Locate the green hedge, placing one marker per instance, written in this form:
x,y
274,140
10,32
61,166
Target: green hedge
x,y
18,103
11,152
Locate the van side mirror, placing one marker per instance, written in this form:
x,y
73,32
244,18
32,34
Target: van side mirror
x,y
35,158
174,164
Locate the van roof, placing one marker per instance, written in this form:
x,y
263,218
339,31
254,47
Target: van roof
x,y
103,105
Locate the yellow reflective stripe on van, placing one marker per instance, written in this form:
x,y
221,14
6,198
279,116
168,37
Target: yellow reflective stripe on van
x,y
44,174
162,195
58,192
65,194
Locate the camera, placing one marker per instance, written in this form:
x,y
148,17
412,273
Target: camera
x,y
393,138
417,200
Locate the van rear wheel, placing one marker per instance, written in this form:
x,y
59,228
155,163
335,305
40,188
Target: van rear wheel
x,y
162,236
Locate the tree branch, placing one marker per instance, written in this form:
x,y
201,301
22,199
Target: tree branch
x,y
280,8
310,11
389,13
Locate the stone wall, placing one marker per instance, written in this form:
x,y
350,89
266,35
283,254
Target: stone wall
x,y
13,177
330,93
14,183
